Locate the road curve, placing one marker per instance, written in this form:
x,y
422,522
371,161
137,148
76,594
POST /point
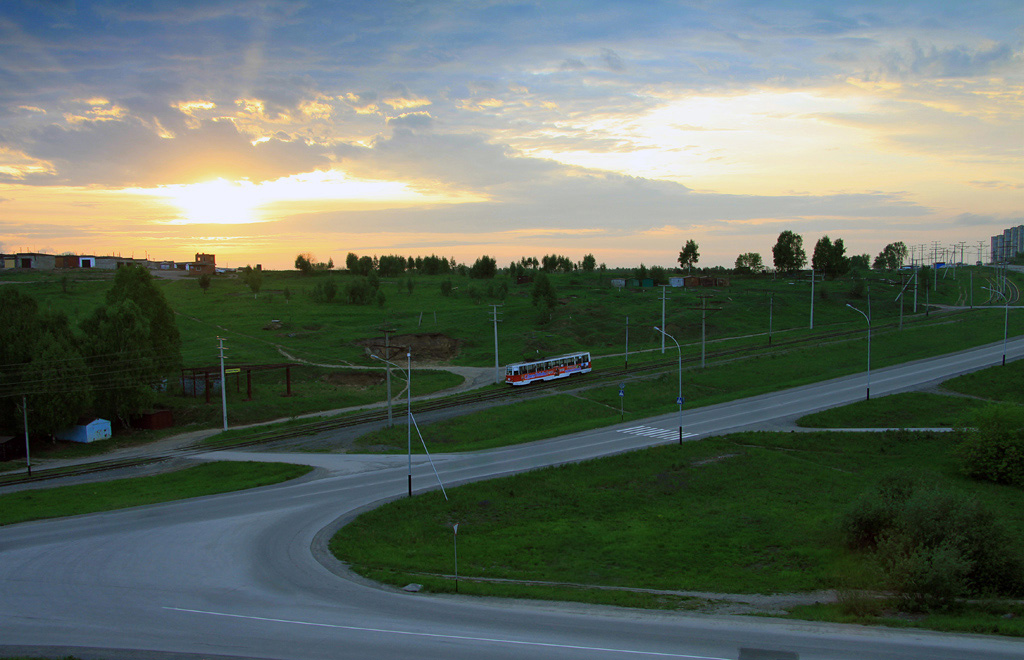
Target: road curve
x,y
237,575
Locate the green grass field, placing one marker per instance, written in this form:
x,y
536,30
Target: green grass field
x,y
744,513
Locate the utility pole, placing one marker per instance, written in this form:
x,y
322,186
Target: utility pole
x,y
24,412
703,324
497,367
387,357
812,299
771,310
223,385
627,342
663,292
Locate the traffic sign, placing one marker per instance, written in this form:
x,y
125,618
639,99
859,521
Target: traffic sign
x,y
679,400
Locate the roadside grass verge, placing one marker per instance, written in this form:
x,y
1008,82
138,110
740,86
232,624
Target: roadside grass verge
x,y
745,513
903,410
928,409
720,381
997,617
998,383
499,426
203,479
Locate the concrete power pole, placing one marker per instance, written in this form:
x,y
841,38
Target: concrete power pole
x,y
223,385
497,366
663,293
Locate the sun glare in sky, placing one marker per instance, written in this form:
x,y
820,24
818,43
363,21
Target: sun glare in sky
x,y
712,141
243,202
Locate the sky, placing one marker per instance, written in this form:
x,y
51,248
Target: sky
x,y
260,130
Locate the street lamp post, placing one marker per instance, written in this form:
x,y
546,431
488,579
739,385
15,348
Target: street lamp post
x,y
868,319
679,400
408,398
1006,317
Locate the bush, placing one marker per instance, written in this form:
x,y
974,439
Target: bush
x,y
992,445
360,291
876,511
934,546
324,292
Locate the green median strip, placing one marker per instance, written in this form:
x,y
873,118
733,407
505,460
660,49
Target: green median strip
x,y
203,479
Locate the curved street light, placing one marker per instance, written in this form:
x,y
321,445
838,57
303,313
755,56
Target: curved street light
x,y
1006,317
408,394
868,319
679,400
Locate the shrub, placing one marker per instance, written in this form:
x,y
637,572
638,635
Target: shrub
x,y
876,511
934,546
324,292
992,445
360,291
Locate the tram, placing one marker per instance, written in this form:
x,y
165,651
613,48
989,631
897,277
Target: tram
x,y
524,373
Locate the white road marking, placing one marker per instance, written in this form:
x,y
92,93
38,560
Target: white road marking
x,y
452,637
652,432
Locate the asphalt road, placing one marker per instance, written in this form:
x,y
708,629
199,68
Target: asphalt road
x,y
240,575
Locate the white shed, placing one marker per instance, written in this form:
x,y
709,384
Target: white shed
x,y
87,430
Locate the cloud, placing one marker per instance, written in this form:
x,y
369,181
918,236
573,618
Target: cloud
x,y
127,153
958,61
413,121
979,220
612,60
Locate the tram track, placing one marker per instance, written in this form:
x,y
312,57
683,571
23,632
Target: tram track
x,y
497,396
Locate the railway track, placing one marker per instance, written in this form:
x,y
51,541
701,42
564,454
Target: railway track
x,y
595,379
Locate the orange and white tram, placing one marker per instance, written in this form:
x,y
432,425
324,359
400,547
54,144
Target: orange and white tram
x,y
523,373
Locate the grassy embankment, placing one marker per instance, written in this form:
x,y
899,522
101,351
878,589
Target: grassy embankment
x,y
203,479
744,513
729,380
325,340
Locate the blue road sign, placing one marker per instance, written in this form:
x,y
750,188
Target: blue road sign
x,y
679,400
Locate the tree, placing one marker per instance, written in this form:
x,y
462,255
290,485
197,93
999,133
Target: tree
x,y
484,268
119,347
364,266
304,262
589,263
788,253
352,262
659,275
891,257
688,256
136,284
253,278
204,281
749,262
391,265
830,258
39,357
860,261
544,294
62,384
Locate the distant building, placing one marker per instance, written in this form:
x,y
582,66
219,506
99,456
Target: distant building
x,y
1007,245
204,263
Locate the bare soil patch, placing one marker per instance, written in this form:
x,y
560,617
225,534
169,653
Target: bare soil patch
x,y
428,347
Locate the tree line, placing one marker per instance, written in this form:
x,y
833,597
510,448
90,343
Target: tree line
x,y
110,365
788,256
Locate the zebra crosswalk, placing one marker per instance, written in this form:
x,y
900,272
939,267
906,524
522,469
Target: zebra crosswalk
x,y
652,432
